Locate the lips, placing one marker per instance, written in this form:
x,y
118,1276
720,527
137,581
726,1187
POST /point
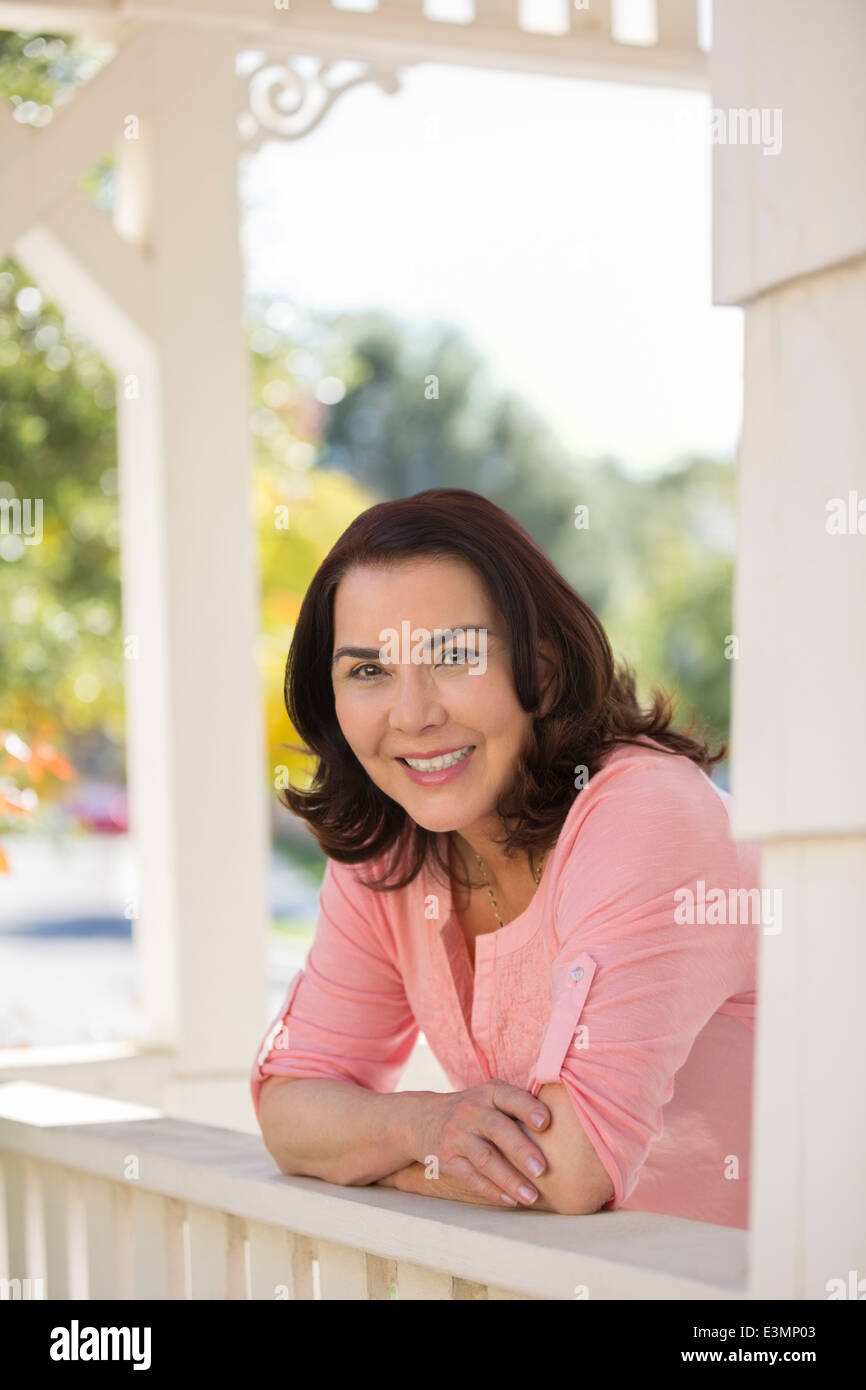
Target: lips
x,y
437,761
435,752
433,770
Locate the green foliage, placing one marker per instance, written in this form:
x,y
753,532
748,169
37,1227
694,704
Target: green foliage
x,y
61,658
667,609
36,68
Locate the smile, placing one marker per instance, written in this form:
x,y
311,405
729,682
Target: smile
x,y
441,761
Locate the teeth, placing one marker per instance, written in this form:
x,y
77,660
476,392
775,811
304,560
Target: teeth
x,y
439,764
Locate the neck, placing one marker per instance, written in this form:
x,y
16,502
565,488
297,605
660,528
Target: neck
x,y
502,871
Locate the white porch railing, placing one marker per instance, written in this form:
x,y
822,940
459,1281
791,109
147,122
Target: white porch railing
x,y
107,1200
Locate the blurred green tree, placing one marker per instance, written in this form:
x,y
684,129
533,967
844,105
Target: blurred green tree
x,y
61,658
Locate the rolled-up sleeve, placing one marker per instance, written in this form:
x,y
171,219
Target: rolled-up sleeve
x,y
633,983
345,1016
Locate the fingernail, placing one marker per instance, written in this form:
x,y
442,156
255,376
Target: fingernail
x,y
527,1194
535,1166
538,1119
509,1201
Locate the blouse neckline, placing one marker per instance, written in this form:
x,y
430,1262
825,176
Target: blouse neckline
x,y
513,934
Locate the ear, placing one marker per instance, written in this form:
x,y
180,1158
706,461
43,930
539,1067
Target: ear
x,y
546,677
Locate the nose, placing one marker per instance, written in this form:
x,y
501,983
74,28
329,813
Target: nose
x,y
416,703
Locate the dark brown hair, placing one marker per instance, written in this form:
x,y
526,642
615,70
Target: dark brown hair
x,y
594,705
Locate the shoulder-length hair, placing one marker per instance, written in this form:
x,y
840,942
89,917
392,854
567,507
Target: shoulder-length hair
x,y
594,704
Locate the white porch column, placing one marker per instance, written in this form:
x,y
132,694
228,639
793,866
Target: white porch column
x,y
790,246
163,303
195,735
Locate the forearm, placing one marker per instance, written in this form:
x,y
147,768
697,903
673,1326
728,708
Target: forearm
x,y
338,1131
573,1184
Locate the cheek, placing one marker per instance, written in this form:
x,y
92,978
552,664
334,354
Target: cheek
x,y
488,703
358,721
504,723
347,717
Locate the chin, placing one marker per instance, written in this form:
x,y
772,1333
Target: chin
x,y
437,822
442,820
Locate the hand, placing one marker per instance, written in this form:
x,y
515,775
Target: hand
x,y
478,1139
417,1180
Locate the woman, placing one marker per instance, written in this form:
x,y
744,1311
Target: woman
x,y
515,853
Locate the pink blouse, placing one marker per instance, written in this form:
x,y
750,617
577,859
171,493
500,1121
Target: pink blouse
x,y
630,978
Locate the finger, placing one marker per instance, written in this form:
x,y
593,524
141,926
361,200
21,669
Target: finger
x,y
469,1177
491,1164
513,1143
521,1104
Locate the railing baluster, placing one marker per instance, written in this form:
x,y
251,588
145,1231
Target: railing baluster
x,y
124,1240
381,1278
14,1202
176,1249
504,14
342,1271
76,1234
302,1266
5,1272
37,1261
109,1238
25,1257
281,1264
592,22
96,1196
414,1282
678,23
270,1262
400,9
55,1205
208,1252
149,1232
237,1269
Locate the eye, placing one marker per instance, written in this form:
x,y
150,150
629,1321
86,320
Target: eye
x,y
454,655
368,666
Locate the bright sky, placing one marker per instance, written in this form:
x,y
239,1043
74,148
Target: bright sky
x,y
563,225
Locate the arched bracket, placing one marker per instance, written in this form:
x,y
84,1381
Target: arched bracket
x,y
289,100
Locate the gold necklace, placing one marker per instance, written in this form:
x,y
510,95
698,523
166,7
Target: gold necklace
x,y
536,874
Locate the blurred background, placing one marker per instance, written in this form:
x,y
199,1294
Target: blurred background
x,y
565,316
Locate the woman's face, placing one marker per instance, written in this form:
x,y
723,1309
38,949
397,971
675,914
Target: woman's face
x,y
424,700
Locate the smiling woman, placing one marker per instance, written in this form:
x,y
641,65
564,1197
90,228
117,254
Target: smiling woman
x,y
508,847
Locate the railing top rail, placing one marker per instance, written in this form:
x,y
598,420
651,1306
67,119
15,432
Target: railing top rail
x,y
614,1254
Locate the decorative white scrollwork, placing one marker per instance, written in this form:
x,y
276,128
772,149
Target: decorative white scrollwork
x,y
289,100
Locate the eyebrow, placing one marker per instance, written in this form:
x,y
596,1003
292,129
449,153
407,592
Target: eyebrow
x,y
372,653
368,653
